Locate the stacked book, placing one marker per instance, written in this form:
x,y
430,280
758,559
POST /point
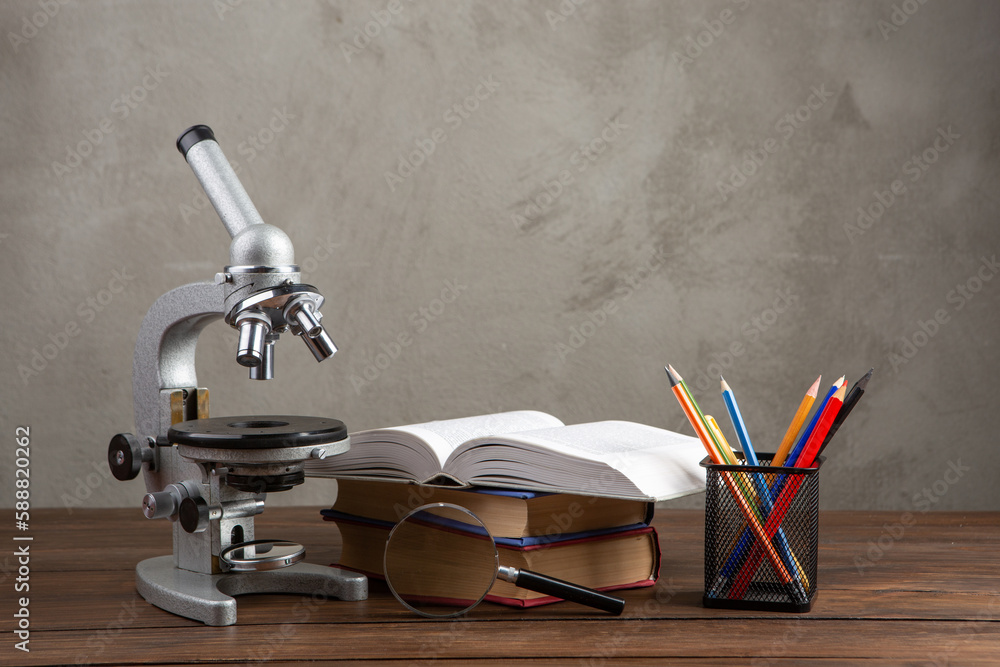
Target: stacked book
x,y
572,502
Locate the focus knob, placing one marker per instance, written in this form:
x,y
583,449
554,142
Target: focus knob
x,y
125,456
194,515
159,505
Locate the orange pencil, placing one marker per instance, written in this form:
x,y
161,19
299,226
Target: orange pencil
x,y
796,425
679,388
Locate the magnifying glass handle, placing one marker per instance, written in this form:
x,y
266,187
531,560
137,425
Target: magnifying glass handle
x,y
563,590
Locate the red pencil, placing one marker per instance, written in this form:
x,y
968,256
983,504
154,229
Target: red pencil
x,y
784,500
809,452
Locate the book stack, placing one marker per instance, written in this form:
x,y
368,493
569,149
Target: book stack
x,y
571,502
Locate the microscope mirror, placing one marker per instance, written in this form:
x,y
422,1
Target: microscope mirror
x,y
261,555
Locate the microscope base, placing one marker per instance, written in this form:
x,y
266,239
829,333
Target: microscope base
x,y
209,597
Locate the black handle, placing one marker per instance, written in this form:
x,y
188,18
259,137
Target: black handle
x,y
567,591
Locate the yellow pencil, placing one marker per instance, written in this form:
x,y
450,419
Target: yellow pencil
x,y
796,425
713,426
750,491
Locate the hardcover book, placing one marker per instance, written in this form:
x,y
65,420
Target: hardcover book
x,y
612,560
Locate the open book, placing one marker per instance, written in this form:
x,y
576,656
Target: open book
x,y
526,450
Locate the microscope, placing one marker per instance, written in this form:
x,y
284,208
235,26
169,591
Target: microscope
x,y
210,475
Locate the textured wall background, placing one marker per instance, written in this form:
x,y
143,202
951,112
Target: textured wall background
x,y
639,182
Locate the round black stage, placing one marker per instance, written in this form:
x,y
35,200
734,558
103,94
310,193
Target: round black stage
x,y
257,432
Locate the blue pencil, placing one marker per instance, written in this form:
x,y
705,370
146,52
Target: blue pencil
x,y
738,425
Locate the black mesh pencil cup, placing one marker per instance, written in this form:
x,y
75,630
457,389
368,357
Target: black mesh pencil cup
x,y
761,536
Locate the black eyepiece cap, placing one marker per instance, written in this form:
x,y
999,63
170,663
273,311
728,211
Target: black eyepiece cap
x,y
192,136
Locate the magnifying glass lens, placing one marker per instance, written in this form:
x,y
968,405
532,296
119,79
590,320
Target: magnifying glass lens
x,y
440,560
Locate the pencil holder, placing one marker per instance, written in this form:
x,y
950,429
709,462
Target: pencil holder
x,y
761,536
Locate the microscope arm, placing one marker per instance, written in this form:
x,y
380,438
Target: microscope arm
x,y
164,361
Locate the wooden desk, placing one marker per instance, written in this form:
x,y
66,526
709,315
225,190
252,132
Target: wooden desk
x,y
928,596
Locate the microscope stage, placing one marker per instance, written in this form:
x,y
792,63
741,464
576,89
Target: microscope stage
x,y
257,432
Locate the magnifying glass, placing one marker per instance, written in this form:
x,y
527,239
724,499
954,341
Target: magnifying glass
x,y
441,561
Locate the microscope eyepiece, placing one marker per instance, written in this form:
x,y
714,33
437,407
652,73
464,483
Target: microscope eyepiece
x,y
192,136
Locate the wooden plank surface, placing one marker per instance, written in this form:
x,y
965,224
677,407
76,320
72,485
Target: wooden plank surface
x,y
923,592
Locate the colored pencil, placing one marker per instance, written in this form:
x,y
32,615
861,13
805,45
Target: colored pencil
x,y
857,391
738,425
804,436
830,412
725,452
699,424
796,425
713,426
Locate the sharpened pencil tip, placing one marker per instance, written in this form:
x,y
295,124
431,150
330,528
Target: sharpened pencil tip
x,y
725,385
814,389
863,382
672,375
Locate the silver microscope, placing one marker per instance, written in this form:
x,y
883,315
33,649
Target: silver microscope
x,y
210,476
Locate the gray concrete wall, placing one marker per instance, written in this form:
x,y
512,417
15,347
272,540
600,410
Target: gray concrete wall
x,y
641,183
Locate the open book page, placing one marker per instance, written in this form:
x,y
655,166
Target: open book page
x,y
612,458
417,452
